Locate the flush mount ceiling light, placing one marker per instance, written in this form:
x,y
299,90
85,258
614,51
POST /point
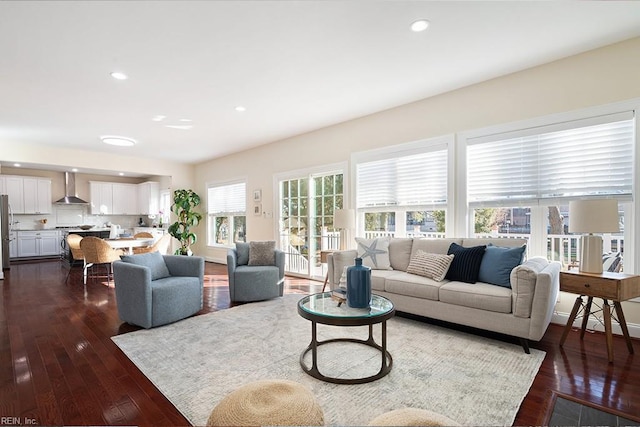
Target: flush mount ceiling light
x,y
119,75
420,25
181,127
240,109
118,140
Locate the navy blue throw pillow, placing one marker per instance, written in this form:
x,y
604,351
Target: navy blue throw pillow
x,y
465,266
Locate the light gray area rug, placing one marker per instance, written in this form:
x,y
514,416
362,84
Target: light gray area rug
x,y
196,362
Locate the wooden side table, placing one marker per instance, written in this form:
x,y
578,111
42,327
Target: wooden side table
x,y
616,287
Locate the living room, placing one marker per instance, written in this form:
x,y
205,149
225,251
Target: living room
x,y
588,84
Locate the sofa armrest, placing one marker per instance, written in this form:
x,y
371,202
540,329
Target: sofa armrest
x,y
336,262
535,285
186,266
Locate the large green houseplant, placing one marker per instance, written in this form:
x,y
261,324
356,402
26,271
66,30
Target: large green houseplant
x,y
184,203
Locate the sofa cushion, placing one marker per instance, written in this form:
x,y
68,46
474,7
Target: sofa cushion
x,y
400,253
374,252
152,260
433,266
433,246
379,279
465,266
411,285
262,253
482,296
242,249
497,264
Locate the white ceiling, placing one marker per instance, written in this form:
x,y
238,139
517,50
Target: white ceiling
x,y
295,65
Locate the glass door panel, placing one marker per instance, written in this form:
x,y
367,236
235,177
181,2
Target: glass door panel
x,y
307,205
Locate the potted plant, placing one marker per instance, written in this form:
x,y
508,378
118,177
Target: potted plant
x,y
184,202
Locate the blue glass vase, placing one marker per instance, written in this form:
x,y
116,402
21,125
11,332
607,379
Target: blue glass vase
x,y
359,285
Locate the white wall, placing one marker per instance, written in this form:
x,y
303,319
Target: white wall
x,y
593,78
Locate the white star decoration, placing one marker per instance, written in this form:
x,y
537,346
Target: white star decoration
x,y
371,251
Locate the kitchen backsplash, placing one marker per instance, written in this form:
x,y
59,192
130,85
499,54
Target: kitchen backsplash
x,y
65,216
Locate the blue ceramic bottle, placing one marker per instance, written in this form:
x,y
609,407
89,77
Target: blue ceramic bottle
x,y
359,285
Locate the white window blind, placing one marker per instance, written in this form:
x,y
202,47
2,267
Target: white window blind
x,y
406,181
591,157
228,199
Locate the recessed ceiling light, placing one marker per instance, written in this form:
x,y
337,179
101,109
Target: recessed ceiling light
x,y
17,165
118,140
74,170
420,25
240,108
186,120
158,118
121,173
119,76
181,127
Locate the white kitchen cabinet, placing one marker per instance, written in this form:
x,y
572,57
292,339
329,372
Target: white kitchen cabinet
x,y
101,197
148,198
38,243
14,189
37,195
125,199
13,244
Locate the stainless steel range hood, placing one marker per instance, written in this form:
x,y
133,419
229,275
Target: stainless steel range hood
x,y
71,197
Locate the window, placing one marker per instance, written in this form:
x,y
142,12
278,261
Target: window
x,y
520,182
549,162
226,211
165,207
403,192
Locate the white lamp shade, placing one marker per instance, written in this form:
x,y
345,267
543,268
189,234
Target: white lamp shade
x,y
344,219
594,216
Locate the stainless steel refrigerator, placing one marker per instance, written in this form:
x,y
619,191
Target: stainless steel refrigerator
x,y
5,228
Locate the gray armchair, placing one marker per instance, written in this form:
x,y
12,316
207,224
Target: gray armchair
x,y
254,282
154,289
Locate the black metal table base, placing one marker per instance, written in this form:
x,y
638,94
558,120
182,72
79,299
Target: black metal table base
x,y
385,365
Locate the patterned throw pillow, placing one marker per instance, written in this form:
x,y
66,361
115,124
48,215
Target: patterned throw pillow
x,y
374,252
465,267
262,253
432,266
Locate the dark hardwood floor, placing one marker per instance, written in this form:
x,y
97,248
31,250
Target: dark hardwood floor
x,y
58,365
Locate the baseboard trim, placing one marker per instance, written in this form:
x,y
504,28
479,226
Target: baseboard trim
x,y
595,325
216,260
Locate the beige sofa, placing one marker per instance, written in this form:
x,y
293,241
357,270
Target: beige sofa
x,y
522,311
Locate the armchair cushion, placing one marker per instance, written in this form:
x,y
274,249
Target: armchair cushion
x,y
262,253
153,260
242,251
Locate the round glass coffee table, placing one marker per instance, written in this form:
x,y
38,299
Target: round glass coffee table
x,y
321,308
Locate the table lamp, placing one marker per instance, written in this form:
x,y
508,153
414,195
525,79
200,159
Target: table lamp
x,y
593,216
345,221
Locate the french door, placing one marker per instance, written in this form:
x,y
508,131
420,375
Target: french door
x,y
307,203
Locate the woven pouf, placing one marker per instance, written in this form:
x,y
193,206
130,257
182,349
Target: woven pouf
x,y
412,417
268,403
